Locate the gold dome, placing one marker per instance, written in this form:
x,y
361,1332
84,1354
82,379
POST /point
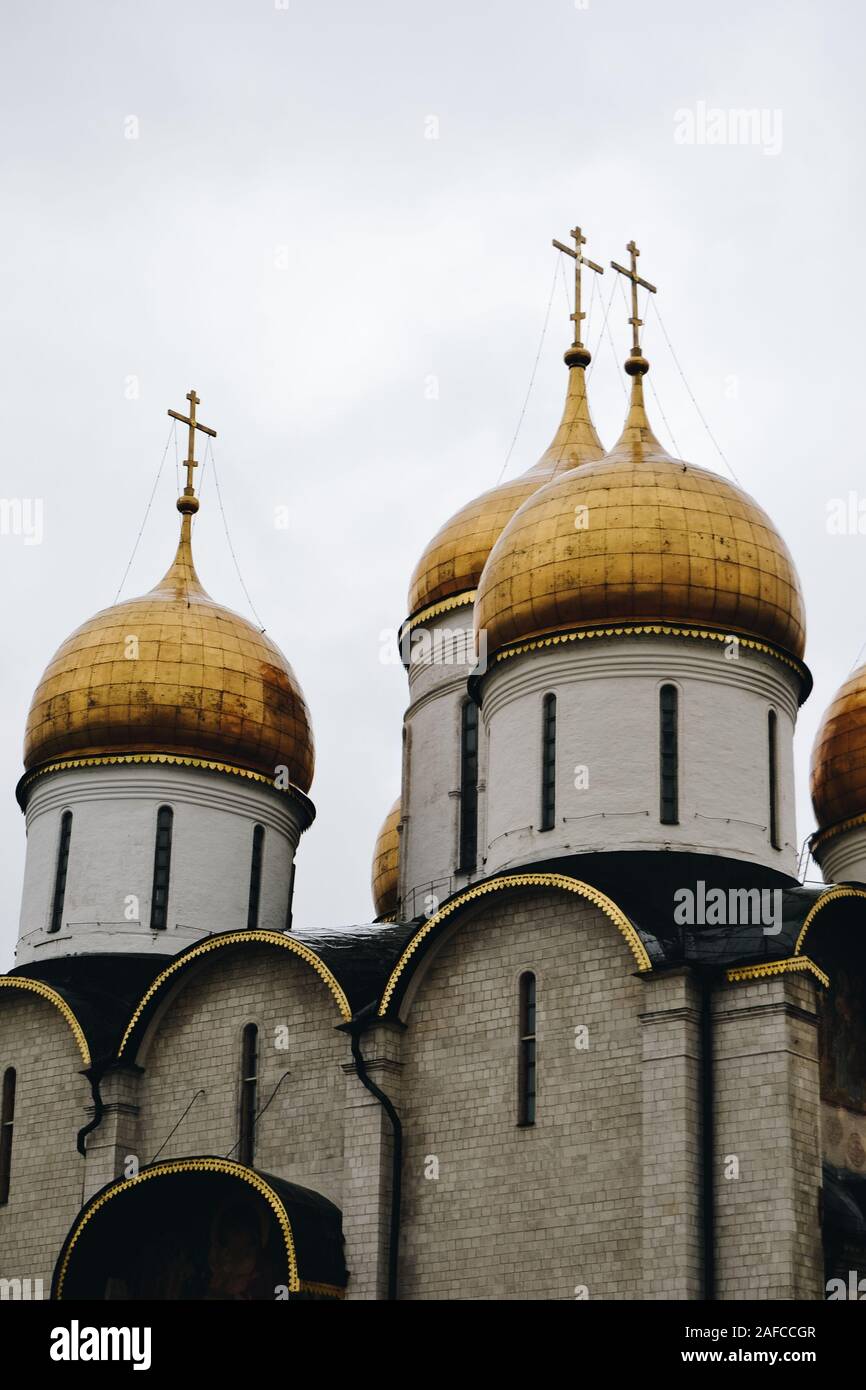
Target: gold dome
x,y
386,859
838,773
640,536
452,563
172,672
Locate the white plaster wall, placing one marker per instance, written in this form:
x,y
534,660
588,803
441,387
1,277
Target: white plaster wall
x,y
430,823
843,857
114,811
607,694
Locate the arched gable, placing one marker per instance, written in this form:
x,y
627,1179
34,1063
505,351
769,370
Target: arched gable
x,y
44,991
303,1253
833,895
157,993
427,935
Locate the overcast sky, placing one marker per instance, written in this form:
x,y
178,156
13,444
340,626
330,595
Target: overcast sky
x,y
285,235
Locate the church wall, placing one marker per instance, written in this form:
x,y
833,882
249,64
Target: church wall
x,y
51,1101
530,1212
111,857
196,1043
607,751
768,1175
429,845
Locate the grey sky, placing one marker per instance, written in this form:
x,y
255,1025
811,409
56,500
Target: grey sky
x,y
283,236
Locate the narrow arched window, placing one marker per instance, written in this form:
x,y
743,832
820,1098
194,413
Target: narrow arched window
x,y
256,877
773,766
668,756
469,787
526,1054
60,871
249,1088
548,762
7,1120
161,869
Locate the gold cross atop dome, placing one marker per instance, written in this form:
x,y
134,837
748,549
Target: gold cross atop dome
x,y
188,503
577,356
637,363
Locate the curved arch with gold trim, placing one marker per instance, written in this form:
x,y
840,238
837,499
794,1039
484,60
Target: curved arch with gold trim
x,y
832,895
46,992
215,943
96,1242
563,882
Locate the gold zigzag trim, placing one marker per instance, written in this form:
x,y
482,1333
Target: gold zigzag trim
x,y
46,992
820,836
174,759
424,614
656,630
561,881
779,967
322,1290
269,938
831,896
194,1165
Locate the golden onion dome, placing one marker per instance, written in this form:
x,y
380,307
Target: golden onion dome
x,y
451,564
838,772
172,672
640,537
386,860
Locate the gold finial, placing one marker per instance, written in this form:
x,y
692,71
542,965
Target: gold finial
x,y
637,364
188,503
577,355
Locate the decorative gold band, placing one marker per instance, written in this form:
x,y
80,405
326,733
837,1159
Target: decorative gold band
x,y
213,943
793,965
819,837
322,1290
495,885
46,992
172,760
424,615
655,629
192,1165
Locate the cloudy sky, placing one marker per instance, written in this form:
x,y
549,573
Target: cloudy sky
x,y
309,212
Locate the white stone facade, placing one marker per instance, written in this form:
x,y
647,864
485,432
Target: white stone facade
x,y
600,1198
109,882
442,653
607,750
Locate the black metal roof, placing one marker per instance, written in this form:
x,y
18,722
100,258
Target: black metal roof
x,y
101,990
644,884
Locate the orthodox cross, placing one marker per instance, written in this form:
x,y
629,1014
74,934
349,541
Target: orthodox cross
x,y
191,461
636,280
579,260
